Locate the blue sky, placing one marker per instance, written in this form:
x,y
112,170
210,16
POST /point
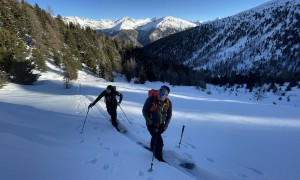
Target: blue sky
x,y
190,10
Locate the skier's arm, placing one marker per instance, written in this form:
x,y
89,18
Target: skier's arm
x,y
146,108
98,98
120,95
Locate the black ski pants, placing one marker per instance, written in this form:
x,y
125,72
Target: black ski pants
x,y
157,142
112,111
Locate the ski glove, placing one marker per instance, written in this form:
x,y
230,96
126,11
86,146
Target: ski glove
x,y
90,106
156,131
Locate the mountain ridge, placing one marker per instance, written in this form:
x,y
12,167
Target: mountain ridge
x,y
138,31
135,23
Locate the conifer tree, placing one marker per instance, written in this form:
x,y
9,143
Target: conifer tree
x,y
13,61
57,58
22,72
39,60
128,69
142,76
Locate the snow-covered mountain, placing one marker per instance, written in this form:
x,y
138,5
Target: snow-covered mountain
x,y
264,39
139,31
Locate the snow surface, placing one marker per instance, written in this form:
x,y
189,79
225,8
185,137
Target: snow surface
x,y
227,135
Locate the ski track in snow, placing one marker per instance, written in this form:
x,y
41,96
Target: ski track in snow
x,y
196,173
82,110
81,107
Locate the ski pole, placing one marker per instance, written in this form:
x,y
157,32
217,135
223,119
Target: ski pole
x,y
125,115
153,154
85,120
181,135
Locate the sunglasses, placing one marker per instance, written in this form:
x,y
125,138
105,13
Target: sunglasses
x,y
162,92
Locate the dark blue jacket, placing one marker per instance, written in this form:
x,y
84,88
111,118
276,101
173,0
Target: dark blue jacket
x,y
160,116
110,98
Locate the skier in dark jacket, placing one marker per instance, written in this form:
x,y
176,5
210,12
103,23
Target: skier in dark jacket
x,y
111,102
157,111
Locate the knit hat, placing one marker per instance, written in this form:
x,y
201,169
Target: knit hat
x,y
109,87
166,88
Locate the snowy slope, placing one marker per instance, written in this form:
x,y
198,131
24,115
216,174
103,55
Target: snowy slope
x,y
263,34
264,39
227,136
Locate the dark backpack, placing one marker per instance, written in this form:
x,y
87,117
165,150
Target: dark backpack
x,y
154,93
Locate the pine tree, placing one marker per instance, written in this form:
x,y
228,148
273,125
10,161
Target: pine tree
x,y
70,67
13,61
3,78
57,58
22,72
128,69
142,76
39,60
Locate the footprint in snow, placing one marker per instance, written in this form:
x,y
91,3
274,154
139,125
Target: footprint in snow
x,y
186,146
255,170
106,167
115,154
210,159
141,173
194,147
92,161
82,141
243,175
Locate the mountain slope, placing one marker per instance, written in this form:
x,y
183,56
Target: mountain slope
x,y
264,39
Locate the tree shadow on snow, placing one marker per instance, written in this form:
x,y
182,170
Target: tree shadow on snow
x,y
36,125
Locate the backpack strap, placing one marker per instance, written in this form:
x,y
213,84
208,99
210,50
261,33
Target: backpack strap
x,y
167,105
154,105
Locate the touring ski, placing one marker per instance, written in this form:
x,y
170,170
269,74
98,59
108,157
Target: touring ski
x,y
119,127
182,163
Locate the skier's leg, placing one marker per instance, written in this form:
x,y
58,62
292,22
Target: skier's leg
x,y
113,114
151,131
159,148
